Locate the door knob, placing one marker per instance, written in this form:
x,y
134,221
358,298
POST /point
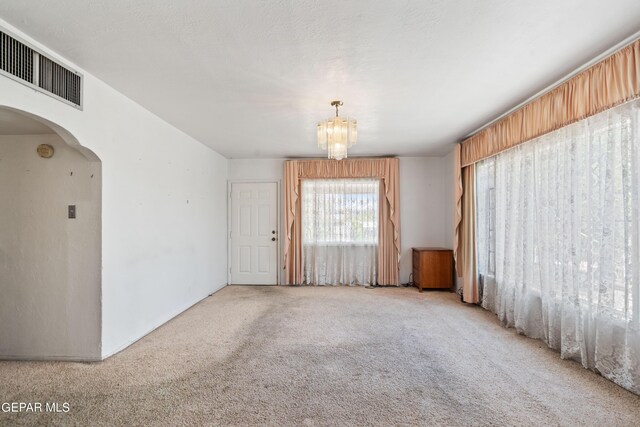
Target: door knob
x,y
273,239
273,231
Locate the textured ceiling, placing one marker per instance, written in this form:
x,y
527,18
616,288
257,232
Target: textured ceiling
x,y
252,78
12,123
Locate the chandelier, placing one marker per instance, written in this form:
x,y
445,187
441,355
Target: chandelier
x,y
337,134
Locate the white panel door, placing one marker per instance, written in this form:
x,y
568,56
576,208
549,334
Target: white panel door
x,y
254,238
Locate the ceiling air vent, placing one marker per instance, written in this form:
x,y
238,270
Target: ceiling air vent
x,y
25,64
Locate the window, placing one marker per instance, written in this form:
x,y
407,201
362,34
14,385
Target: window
x,y
340,211
340,230
558,237
567,209
486,214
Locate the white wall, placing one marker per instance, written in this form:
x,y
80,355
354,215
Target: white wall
x,y
268,169
163,208
424,199
423,207
48,263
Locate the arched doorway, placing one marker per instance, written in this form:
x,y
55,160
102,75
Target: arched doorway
x,y
50,242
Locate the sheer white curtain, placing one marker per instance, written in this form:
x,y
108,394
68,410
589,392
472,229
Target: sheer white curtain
x,y
558,241
340,231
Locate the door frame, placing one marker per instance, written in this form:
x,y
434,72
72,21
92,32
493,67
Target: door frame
x,y
230,183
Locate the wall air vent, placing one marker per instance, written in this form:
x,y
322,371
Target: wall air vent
x,y
29,66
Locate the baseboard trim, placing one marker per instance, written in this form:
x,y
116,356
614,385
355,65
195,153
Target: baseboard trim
x,y
50,358
171,317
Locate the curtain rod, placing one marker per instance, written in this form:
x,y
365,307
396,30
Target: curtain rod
x,y
612,50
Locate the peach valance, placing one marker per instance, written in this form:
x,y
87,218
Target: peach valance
x,y
385,169
610,82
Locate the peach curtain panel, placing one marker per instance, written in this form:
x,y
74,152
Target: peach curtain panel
x,y
293,237
457,208
466,246
606,84
464,222
386,169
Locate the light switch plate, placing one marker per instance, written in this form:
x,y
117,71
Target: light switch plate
x,y
72,211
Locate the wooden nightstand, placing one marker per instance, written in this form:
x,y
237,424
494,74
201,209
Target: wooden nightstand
x,y
433,268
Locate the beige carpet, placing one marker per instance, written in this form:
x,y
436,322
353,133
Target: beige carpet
x,y
324,356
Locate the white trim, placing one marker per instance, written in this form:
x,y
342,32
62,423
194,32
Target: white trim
x,y
619,46
229,182
53,358
278,219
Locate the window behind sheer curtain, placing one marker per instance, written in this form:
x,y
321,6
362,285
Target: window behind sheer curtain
x,y
558,240
340,231
486,215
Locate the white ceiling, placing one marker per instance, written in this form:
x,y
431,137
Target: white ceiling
x,y
252,78
12,123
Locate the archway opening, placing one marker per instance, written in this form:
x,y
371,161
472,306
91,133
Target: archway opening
x,y
50,242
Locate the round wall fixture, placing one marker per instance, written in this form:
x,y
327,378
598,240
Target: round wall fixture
x,y
45,151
